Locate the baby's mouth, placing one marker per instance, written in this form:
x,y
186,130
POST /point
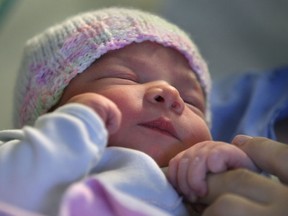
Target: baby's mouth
x,y
161,125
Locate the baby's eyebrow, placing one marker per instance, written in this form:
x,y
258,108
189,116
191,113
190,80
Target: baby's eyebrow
x,y
133,62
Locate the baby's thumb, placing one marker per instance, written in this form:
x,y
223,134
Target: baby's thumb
x,y
113,119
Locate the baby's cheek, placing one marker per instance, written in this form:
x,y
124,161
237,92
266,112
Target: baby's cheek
x,y
195,130
155,154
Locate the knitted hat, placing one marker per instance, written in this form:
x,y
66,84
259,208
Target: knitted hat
x,y
56,56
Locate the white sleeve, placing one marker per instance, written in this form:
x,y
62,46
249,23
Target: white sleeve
x,y
38,163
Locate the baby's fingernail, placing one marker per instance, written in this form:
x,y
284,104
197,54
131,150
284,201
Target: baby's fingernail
x,y
240,139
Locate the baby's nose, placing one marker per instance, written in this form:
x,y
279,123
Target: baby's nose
x,y
165,95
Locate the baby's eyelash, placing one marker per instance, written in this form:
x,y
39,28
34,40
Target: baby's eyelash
x,y
189,103
194,108
127,77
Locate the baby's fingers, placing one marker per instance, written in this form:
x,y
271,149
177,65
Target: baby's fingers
x,y
196,176
224,157
178,177
113,120
182,183
172,172
104,107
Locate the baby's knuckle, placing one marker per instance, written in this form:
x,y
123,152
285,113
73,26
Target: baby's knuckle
x,y
216,152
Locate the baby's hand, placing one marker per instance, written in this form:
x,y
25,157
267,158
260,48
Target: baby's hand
x,y
187,171
105,108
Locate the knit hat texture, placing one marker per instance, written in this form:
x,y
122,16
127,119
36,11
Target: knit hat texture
x,y
57,55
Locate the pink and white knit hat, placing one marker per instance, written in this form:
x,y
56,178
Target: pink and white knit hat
x,y
54,57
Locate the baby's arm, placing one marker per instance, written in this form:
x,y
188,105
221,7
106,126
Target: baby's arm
x,y
187,171
38,163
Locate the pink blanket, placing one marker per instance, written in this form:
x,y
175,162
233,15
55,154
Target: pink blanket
x,y
97,198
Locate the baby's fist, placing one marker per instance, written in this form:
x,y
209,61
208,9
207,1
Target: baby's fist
x,y
105,108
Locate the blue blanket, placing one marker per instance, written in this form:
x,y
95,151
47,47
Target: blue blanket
x,y
249,103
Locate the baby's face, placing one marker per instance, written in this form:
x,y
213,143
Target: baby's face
x,y
161,101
